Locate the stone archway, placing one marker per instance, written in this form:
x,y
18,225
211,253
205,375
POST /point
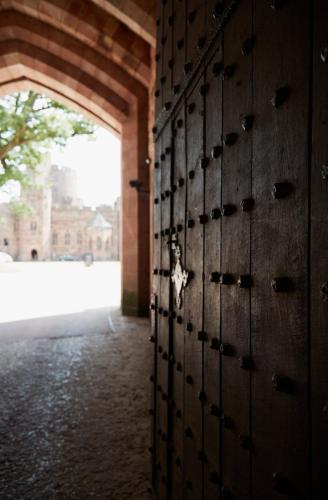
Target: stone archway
x,y
97,57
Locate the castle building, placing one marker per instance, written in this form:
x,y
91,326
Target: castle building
x,y
57,225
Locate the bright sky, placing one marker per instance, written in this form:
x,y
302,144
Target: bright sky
x,y
97,163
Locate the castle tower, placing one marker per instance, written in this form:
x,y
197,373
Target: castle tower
x,y
34,228
63,185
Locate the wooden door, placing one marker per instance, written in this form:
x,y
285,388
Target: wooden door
x,y
241,274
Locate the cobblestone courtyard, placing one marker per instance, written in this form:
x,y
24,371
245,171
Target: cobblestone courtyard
x,y
74,420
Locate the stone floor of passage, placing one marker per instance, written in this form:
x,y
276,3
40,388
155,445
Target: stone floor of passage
x,y
74,414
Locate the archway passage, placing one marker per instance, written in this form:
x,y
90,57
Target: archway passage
x,y
95,56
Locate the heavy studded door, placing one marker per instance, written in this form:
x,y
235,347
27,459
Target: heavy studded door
x,y
240,379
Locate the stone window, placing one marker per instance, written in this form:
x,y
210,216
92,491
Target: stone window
x,y
99,243
107,244
67,239
79,238
90,244
33,226
54,238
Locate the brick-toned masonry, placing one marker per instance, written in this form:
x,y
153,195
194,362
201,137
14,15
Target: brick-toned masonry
x,y
95,56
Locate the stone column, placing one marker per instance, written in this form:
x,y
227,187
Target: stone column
x,y
135,211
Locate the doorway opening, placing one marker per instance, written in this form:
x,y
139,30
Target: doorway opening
x,y
67,389
64,213
34,254
60,325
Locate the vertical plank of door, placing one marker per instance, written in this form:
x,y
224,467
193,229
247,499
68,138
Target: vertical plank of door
x,y
160,445
279,249
235,256
179,201
319,252
212,246
195,29
155,302
166,42
163,354
193,360
179,40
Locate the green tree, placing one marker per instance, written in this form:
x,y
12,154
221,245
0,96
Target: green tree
x,y
29,124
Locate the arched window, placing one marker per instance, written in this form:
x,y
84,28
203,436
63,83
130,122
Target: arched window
x,y
90,244
107,244
67,239
99,243
79,238
54,238
33,226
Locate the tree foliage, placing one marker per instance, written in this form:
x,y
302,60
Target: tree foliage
x,y
29,124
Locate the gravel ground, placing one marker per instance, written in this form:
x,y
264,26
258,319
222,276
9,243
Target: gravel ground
x,y
74,421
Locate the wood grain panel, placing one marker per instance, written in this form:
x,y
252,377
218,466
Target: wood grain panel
x,y
157,250
177,362
212,257
319,252
235,259
163,323
167,52
193,362
247,408
279,250
196,30
179,41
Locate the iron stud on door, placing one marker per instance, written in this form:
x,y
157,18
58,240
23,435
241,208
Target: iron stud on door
x,y
229,71
215,277
226,279
230,139
180,44
245,281
216,152
176,89
204,162
191,17
282,284
201,42
281,484
281,190
188,68
324,292
247,204
247,46
247,123
214,410
215,213
228,210
214,478
282,383
202,396
217,68
215,344
218,9
324,55
280,96
277,4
